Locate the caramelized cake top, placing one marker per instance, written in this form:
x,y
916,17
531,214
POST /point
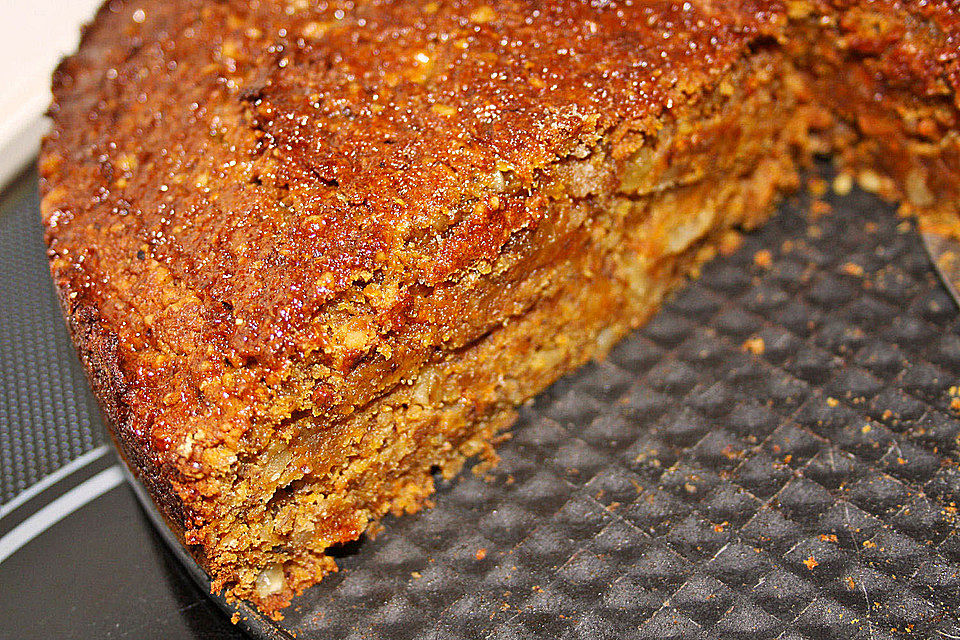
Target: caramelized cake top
x,y
231,187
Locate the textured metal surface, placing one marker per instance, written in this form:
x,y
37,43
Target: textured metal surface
x,y
47,415
773,456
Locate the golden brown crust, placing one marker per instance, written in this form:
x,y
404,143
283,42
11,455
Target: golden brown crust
x,y
265,217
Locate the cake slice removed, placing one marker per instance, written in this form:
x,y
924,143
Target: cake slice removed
x,y
310,255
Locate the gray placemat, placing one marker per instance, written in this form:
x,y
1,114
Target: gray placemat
x,y
47,414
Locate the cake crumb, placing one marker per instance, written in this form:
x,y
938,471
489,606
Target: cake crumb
x,y
820,208
852,269
817,186
730,241
763,259
870,181
754,345
843,184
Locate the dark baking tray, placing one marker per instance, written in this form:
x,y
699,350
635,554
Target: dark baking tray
x,y
772,456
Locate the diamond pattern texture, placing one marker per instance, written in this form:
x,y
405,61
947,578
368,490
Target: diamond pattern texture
x,y
772,456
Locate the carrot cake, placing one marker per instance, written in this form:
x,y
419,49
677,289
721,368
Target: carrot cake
x,y
310,252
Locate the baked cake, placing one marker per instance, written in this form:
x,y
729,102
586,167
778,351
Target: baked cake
x,y
312,253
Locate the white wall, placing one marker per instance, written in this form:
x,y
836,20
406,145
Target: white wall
x,y
34,35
